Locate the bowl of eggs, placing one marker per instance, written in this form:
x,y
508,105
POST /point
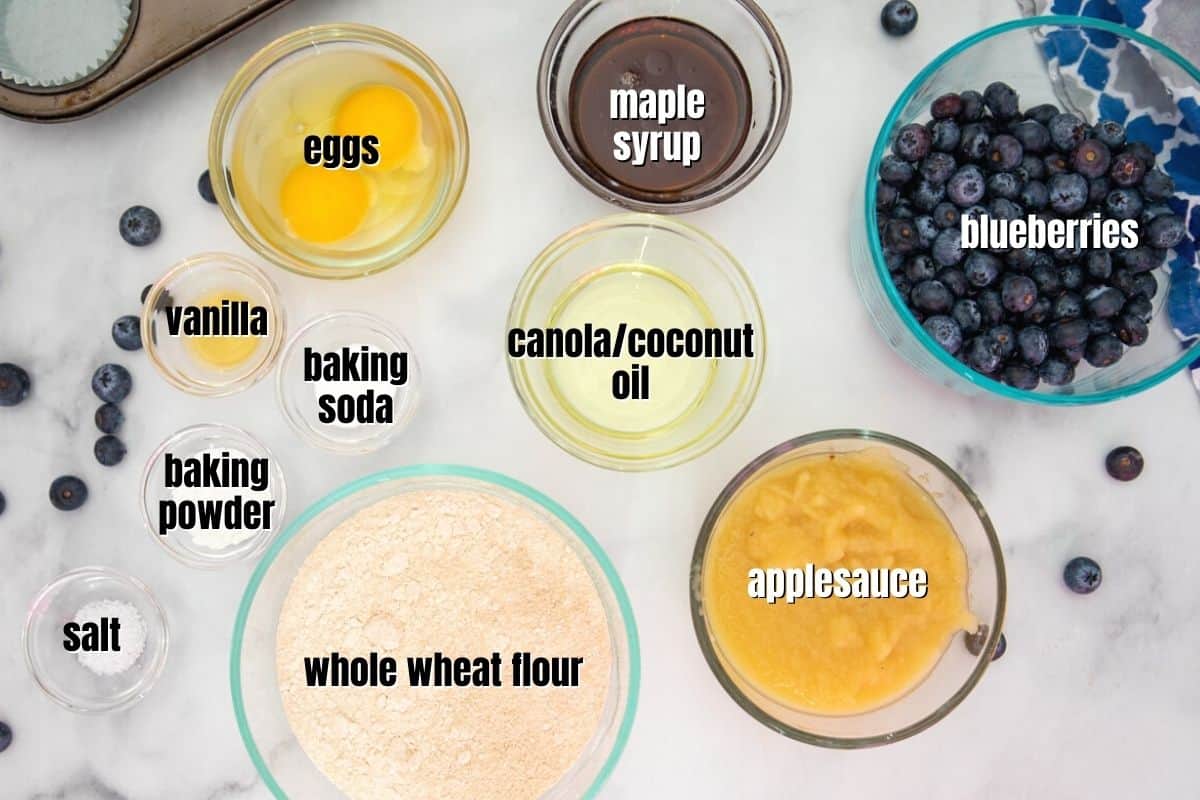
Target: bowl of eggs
x,y
338,151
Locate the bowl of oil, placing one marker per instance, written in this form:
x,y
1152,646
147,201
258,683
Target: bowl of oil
x,y
636,342
338,151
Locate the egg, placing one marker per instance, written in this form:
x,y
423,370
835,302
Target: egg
x,y
386,113
324,205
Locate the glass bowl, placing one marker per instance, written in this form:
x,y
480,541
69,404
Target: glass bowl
x,y
741,24
1013,52
186,546
329,261
712,275
298,397
273,748
966,656
193,281
59,673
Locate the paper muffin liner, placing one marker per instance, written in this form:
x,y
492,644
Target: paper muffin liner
x,y
49,43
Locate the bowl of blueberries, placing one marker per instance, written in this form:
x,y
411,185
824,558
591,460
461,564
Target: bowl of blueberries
x,y
1024,218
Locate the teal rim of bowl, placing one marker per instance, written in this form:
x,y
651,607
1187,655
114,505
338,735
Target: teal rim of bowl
x,y
450,471
1188,353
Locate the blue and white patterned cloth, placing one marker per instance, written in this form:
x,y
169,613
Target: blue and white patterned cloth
x,y
1109,80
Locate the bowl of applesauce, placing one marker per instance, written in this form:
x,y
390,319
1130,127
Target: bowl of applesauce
x,y
847,589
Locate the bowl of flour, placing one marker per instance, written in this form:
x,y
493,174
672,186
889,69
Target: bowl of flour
x,y
435,631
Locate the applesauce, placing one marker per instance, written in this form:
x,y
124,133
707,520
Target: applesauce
x,y
857,511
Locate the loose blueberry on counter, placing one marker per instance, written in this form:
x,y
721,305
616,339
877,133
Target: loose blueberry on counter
x,y
1124,463
1082,575
6,736
68,493
3,505
164,300
139,226
109,450
1001,648
14,384
898,17
127,332
112,383
109,418
204,186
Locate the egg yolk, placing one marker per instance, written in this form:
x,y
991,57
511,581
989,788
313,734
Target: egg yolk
x,y
386,113
324,205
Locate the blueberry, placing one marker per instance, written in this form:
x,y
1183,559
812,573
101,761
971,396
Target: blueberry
x,y
1145,285
903,285
926,195
900,236
1068,192
139,226
1046,276
892,169
1042,113
983,355
1001,648
1122,279
913,142
1056,372
1068,334
1004,153
982,269
1124,463
1021,259
1123,204
946,215
972,108
1092,158
1082,575
903,209
112,383
990,306
1141,259
14,384
68,493
1034,345
947,248
1127,170
1068,305
1166,231
1067,131
1153,212
898,17
920,268
1140,307
127,332
1157,185
946,135
1072,276
6,736
1005,185
109,418
1099,264
966,187
975,142
885,197
945,332
1032,168
1104,302
948,106
938,167
1055,164
954,280
1062,254
1032,135
164,298
932,297
109,450
1005,338
1142,152
1020,376
1017,292
1000,208
966,313
1110,132
1104,350
926,231
204,186
1039,312
1002,100
3,505
1131,330
1100,327
1034,195
1098,189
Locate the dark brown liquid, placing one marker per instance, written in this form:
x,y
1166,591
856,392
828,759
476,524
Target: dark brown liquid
x,y
660,53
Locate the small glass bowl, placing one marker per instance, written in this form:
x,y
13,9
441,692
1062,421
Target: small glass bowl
x,y
671,246
1012,52
59,673
193,441
327,262
741,24
298,397
192,281
254,673
967,655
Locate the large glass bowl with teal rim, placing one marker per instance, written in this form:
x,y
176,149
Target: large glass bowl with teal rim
x,y
1086,66
278,756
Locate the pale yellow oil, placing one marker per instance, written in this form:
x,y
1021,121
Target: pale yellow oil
x,y
221,353
305,209
640,296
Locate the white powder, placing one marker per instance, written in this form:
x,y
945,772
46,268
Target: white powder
x,y
466,574
132,636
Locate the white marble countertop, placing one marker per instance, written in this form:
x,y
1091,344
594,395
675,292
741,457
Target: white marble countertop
x,y
1097,696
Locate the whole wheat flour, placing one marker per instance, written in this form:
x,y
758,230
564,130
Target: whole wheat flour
x,y
467,574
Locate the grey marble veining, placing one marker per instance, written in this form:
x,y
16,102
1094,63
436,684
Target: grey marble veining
x,y
1096,697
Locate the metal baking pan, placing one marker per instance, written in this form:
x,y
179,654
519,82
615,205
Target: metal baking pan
x,y
164,34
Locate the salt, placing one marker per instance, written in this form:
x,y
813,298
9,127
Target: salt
x,y
132,636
